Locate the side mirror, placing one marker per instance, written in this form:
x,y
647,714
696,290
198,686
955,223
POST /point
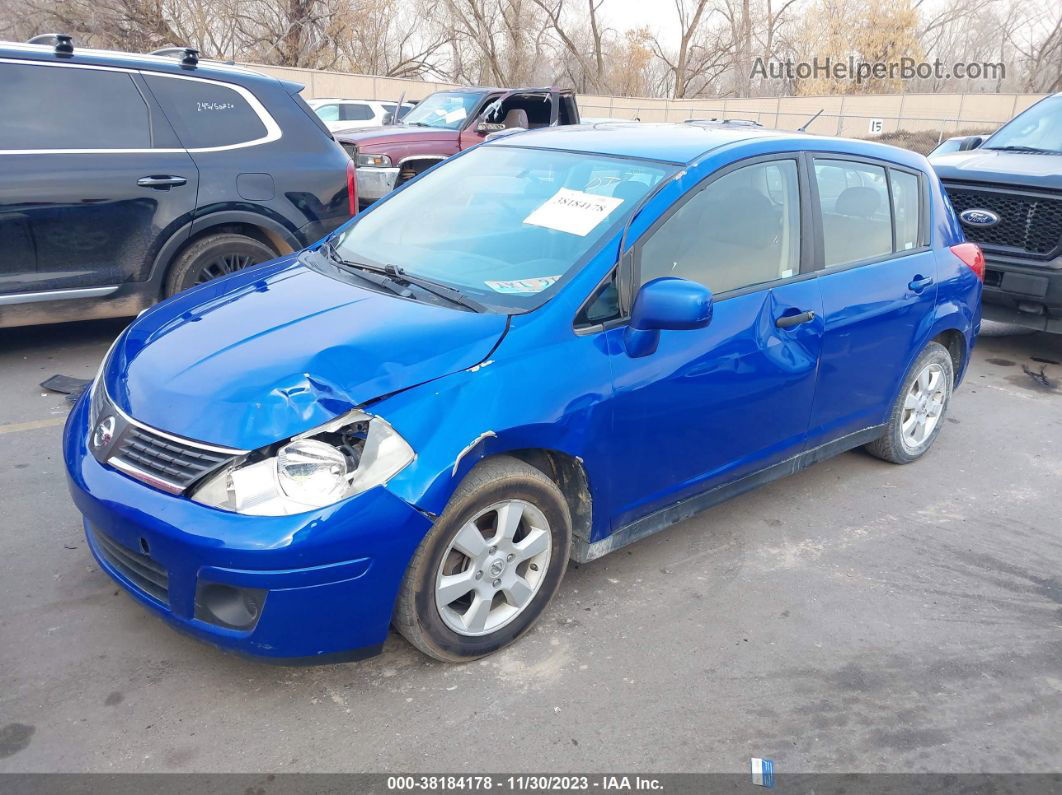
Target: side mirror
x,y
971,142
388,119
666,304
489,127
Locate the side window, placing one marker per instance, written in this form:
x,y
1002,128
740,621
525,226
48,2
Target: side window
x,y
566,110
742,229
356,111
524,110
602,306
856,222
206,113
906,208
327,112
99,109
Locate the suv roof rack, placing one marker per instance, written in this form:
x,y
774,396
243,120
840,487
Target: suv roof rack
x,y
63,42
189,55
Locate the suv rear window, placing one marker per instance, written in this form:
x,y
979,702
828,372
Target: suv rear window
x,y
356,111
99,109
205,113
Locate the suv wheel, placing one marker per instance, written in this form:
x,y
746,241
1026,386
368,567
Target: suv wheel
x,y
489,567
918,411
214,256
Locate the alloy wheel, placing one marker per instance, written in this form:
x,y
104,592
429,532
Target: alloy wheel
x,y
493,568
923,406
223,265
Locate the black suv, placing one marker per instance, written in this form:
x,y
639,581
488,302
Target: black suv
x,y
127,178
1007,191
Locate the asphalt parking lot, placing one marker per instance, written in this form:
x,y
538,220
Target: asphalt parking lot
x,y
858,616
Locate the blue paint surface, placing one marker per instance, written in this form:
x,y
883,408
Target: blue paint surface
x,y
255,358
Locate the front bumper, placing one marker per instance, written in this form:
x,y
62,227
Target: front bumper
x,y
330,577
1026,295
375,183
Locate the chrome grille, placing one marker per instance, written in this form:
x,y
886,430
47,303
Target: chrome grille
x,y
141,570
178,463
1028,222
160,459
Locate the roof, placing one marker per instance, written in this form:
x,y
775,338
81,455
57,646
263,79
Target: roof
x,y
684,143
674,143
129,60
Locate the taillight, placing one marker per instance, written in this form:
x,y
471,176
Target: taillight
x,y
352,189
972,257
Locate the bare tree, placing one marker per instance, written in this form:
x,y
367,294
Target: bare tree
x,y
513,42
700,56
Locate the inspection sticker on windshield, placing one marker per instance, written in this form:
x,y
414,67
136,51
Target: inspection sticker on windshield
x,y
573,211
535,285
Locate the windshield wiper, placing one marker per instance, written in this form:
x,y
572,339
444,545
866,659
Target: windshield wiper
x,y
1024,149
436,288
369,273
392,277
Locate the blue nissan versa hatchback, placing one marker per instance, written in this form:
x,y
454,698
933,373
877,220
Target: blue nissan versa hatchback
x,y
550,346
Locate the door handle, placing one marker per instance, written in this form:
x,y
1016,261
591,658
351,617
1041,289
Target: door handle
x,y
788,321
920,283
161,183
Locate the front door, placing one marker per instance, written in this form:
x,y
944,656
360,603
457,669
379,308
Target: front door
x,y
714,404
87,192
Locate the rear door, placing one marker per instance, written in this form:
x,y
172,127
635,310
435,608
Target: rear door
x,y
93,178
878,283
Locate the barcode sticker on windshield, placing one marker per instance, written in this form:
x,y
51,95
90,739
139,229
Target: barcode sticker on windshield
x,y
573,211
535,285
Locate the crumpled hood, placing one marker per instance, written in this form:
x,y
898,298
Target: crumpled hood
x,y
989,165
279,349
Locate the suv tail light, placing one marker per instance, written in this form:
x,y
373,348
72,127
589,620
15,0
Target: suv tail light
x,y
352,194
972,257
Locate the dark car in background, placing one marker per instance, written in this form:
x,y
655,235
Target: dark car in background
x,y
127,178
1007,191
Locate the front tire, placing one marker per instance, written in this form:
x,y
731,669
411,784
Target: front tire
x,y
918,412
489,566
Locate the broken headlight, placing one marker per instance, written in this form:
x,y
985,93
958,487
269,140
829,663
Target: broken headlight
x,y
347,456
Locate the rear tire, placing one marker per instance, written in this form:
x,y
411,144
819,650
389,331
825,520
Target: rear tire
x,y
213,256
918,412
489,566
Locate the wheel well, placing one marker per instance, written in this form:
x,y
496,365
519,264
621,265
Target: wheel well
x,y
412,168
264,236
568,473
953,340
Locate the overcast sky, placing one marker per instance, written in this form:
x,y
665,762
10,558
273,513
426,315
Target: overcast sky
x,y
659,15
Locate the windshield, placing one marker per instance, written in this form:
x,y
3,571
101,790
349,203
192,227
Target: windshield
x,y
502,224
445,110
1040,127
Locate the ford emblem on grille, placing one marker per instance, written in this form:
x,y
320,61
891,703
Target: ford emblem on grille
x,y
104,432
975,216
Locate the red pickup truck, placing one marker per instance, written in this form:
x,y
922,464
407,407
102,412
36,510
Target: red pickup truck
x,y
444,124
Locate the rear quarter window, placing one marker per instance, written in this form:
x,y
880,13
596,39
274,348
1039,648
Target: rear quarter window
x,y
207,114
